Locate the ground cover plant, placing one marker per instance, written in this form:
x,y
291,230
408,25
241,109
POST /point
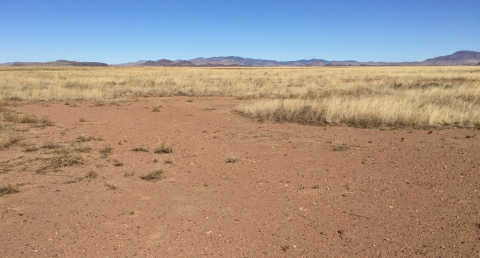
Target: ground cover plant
x,y
163,149
356,96
153,176
8,189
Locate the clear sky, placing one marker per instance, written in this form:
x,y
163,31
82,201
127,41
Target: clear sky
x,y
117,31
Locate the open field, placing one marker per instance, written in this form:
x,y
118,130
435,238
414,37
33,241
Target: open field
x,y
107,162
361,97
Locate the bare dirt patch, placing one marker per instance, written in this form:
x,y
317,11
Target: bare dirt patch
x,y
293,190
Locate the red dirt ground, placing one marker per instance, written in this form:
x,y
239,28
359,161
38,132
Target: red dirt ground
x,y
403,192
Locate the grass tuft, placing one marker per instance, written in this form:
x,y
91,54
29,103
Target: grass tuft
x,y
139,149
341,147
62,158
153,176
117,163
105,151
129,174
83,138
111,187
8,141
232,159
49,145
91,175
31,148
157,108
163,148
8,189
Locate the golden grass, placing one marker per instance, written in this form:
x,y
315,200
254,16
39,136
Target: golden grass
x,y
357,96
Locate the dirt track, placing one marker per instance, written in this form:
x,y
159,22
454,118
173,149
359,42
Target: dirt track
x,y
294,190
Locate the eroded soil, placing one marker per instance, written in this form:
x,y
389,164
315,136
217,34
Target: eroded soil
x,y
233,187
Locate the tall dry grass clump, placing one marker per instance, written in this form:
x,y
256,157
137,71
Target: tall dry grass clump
x,y
358,96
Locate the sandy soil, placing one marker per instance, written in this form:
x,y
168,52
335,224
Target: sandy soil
x,y
294,190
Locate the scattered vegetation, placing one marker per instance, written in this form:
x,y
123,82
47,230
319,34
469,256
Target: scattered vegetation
x,y
49,145
167,161
31,148
163,148
153,176
111,187
99,103
341,147
105,151
129,174
83,149
81,120
139,149
8,141
157,108
232,159
61,158
83,138
117,163
8,117
91,175
8,189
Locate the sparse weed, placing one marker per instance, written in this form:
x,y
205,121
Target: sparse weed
x,y
105,151
163,148
157,108
31,148
341,147
83,149
117,163
232,159
8,189
8,141
72,181
83,138
111,187
139,149
7,116
99,104
49,145
91,175
153,176
128,174
62,158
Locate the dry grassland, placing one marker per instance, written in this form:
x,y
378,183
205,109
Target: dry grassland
x,y
356,96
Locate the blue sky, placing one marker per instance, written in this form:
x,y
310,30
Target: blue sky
x,y
117,31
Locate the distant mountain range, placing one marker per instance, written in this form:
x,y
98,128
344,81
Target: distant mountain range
x,y
60,62
464,57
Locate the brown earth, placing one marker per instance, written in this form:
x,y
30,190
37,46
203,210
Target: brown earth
x,y
288,191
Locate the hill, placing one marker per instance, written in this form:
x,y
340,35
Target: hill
x,y
464,57
59,62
